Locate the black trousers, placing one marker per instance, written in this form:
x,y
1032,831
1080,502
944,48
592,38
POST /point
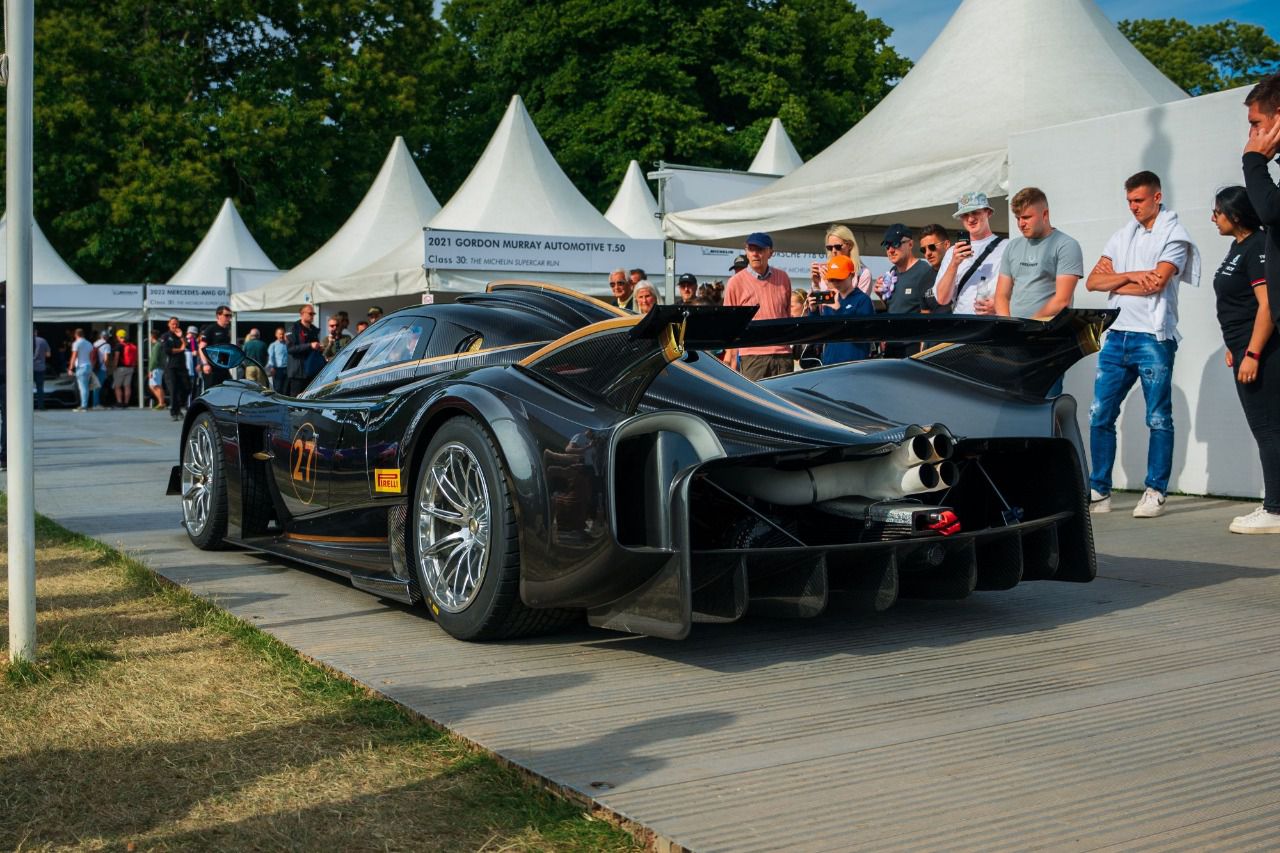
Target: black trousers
x,y
296,385
175,387
1261,402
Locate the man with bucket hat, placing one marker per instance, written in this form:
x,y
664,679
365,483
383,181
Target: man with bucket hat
x,y
967,278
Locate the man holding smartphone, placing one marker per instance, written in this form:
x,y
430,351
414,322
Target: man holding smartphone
x,y
966,279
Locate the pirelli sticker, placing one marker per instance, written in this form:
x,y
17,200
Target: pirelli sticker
x,y
386,480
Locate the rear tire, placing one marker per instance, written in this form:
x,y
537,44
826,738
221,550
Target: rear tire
x,y
204,485
464,543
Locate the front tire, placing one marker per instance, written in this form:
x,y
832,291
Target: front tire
x,y
463,539
204,485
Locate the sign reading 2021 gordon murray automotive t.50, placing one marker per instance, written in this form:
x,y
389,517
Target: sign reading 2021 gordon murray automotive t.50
x,y
479,250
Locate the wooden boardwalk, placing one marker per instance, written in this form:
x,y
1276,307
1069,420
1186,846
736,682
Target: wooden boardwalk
x,y
1141,711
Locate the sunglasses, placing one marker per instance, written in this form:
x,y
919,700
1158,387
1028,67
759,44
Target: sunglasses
x,y
1216,212
224,313
837,247
930,247
896,243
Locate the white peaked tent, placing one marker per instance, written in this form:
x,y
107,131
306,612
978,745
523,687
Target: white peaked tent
x,y
396,207
227,243
634,210
944,129
47,266
777,156
517,187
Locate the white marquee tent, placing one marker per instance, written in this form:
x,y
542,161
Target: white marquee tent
x,y
396,207
227,244
944,129
777,156
47,266
634,210
516,187
62,296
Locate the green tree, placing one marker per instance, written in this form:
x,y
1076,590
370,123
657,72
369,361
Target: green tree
x,y
148,113
608,81
1205,58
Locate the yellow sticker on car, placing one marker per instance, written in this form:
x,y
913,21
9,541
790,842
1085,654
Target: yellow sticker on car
x,y
386,480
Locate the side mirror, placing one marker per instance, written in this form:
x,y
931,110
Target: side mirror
x,y
225,356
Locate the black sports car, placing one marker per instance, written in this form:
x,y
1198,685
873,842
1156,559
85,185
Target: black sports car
x,y
529,454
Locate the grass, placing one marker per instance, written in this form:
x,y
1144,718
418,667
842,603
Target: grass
x,y
152,720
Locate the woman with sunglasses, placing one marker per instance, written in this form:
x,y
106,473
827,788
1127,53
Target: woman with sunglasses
x,y
1253,348
839,241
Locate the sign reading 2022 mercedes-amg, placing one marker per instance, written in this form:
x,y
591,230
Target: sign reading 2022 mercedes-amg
x,y
529,456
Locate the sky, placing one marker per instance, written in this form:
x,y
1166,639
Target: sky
x,y
917,23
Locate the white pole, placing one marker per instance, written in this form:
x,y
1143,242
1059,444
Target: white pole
x,y
139,379
20,48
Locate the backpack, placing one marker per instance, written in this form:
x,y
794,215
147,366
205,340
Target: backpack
x,y
129,356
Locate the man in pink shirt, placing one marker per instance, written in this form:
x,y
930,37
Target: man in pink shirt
x,y
759,284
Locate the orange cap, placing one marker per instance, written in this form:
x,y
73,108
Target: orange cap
x,y
839,268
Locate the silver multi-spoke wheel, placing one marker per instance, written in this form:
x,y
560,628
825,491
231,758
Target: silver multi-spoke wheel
x,y
199,474
453,527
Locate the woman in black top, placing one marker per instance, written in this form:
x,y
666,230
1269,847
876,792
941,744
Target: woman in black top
x,y
1253,348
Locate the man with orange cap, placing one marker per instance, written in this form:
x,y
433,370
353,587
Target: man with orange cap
x,y
849,301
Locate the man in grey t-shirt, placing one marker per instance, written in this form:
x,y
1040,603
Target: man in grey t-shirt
x,y
1040,269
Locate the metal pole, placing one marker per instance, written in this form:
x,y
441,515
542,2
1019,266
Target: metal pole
x,y
20,49
139,377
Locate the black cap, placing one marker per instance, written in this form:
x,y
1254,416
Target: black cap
x,y
896,233
689,279
739,263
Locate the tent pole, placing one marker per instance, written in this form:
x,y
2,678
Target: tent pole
x,y
20,48
138,378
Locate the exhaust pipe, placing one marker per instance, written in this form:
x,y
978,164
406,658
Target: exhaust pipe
x,y
882,478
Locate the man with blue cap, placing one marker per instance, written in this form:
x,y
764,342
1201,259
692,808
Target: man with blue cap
x,y
770,289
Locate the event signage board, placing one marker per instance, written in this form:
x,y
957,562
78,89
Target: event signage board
x,y
173,297
87,296
715,262
535,253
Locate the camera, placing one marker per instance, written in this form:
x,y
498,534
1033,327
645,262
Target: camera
x,y
822,296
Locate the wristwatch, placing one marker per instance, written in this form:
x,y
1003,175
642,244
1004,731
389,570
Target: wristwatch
x,y
1252,355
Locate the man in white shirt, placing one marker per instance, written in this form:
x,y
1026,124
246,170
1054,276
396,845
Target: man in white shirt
x,y
966,279
1139,271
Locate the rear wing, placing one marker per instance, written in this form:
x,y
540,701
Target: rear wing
x,y
615,361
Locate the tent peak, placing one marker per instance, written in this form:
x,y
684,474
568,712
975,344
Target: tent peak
x,y
777,155
517,187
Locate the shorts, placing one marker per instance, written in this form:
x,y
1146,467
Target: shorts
x,y
157,378
121,376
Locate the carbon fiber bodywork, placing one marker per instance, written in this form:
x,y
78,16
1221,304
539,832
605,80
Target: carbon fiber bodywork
x,y
620,445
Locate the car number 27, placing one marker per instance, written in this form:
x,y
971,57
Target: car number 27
x,y
302,463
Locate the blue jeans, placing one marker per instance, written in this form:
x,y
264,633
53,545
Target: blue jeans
x,y
1127,357
82,383
38,377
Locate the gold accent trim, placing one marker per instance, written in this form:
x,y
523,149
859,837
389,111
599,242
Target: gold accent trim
x,y
416,363
586,331
513,283
928,351
303,537
780,405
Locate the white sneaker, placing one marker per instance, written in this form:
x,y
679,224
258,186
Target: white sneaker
x,y
1258,521
1150,505
1098,502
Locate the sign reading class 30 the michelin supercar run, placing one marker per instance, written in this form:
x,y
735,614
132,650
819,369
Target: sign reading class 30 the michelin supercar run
x,y
481,250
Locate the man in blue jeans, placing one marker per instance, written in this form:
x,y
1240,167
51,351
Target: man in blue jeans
x,y
1139,271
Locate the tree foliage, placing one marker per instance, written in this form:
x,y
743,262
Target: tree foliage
x,y
608,81
1205,58
148,113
